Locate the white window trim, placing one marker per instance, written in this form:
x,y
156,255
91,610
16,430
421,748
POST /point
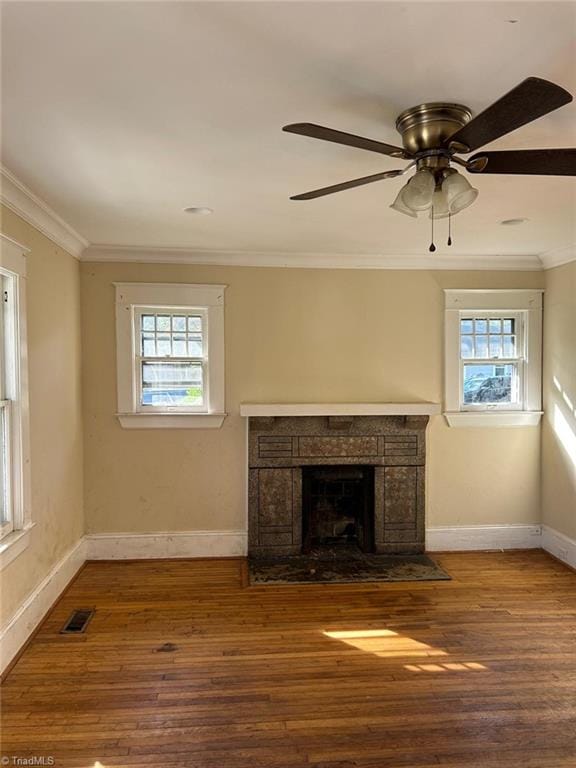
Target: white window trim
x,y
525,301
207,299
13,264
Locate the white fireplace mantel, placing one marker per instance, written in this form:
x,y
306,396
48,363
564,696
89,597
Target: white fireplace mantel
x,y
339,409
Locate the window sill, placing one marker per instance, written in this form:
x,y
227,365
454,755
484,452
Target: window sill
x,y
171,420
13,545
493,418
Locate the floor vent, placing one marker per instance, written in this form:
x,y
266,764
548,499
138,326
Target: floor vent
x,y
77,622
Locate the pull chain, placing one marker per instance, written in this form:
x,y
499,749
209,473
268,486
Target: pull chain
x,y
432,246
449,229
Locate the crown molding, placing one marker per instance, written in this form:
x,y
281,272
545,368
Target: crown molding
x,y
558,257
114,253
18,198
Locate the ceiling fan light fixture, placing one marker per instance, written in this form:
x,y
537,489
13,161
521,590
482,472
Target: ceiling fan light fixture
x,y
459,192
417,194
439,208
400,206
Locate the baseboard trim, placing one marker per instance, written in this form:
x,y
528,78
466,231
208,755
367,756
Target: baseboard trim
x,y
20,628
483,537
559,545
207,544
175,544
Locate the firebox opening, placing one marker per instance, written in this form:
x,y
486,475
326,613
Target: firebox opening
x,y
338,508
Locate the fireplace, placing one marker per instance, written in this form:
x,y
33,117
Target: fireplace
x,y
336,481
338,508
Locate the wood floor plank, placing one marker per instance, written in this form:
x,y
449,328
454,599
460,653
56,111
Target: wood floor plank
x,y
478,672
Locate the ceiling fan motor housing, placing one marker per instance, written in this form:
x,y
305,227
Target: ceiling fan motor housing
x,y
429,126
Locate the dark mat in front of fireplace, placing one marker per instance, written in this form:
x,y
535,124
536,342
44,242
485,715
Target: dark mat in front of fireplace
x,y
331,567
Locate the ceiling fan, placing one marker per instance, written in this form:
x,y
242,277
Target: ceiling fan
x,y
434,134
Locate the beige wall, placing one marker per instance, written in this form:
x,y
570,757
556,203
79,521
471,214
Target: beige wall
x,y
55,411
295,335
559,424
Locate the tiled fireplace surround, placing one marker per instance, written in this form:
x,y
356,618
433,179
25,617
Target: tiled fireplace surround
x,y
279,448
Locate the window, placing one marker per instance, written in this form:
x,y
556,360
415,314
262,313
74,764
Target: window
x,y
172,360
170,351
15,519
486,339
493,355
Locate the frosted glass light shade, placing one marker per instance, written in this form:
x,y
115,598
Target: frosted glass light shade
x,y
459,192
400,206
419,190
439,207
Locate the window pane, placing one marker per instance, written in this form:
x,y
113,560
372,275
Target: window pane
x,y
163,323
509,346
178,323
495,346
163,345
482,345
179,346
495,326
173,384
148,322
467,346
149,347
194,348
481,326
490,384
508,325
194,323
466,326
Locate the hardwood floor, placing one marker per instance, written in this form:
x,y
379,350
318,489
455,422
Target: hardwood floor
x,y
479,671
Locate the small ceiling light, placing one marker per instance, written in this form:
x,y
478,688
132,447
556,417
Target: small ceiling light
x,y
459,192
513,222
198,210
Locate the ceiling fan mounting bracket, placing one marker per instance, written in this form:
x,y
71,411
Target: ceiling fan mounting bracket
x,y
429,126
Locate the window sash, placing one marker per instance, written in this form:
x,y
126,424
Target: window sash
x,y
139,359
8,351
7,509
8,348
494,315
519,361
3,337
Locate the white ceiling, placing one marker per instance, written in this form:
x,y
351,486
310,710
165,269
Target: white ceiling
x,y
121,114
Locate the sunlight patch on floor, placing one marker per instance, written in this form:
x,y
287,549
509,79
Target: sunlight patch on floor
x,y
465,666
384,643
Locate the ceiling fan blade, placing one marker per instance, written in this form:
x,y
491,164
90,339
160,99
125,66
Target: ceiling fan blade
x,y
347,185
540,162
349,139
531,99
